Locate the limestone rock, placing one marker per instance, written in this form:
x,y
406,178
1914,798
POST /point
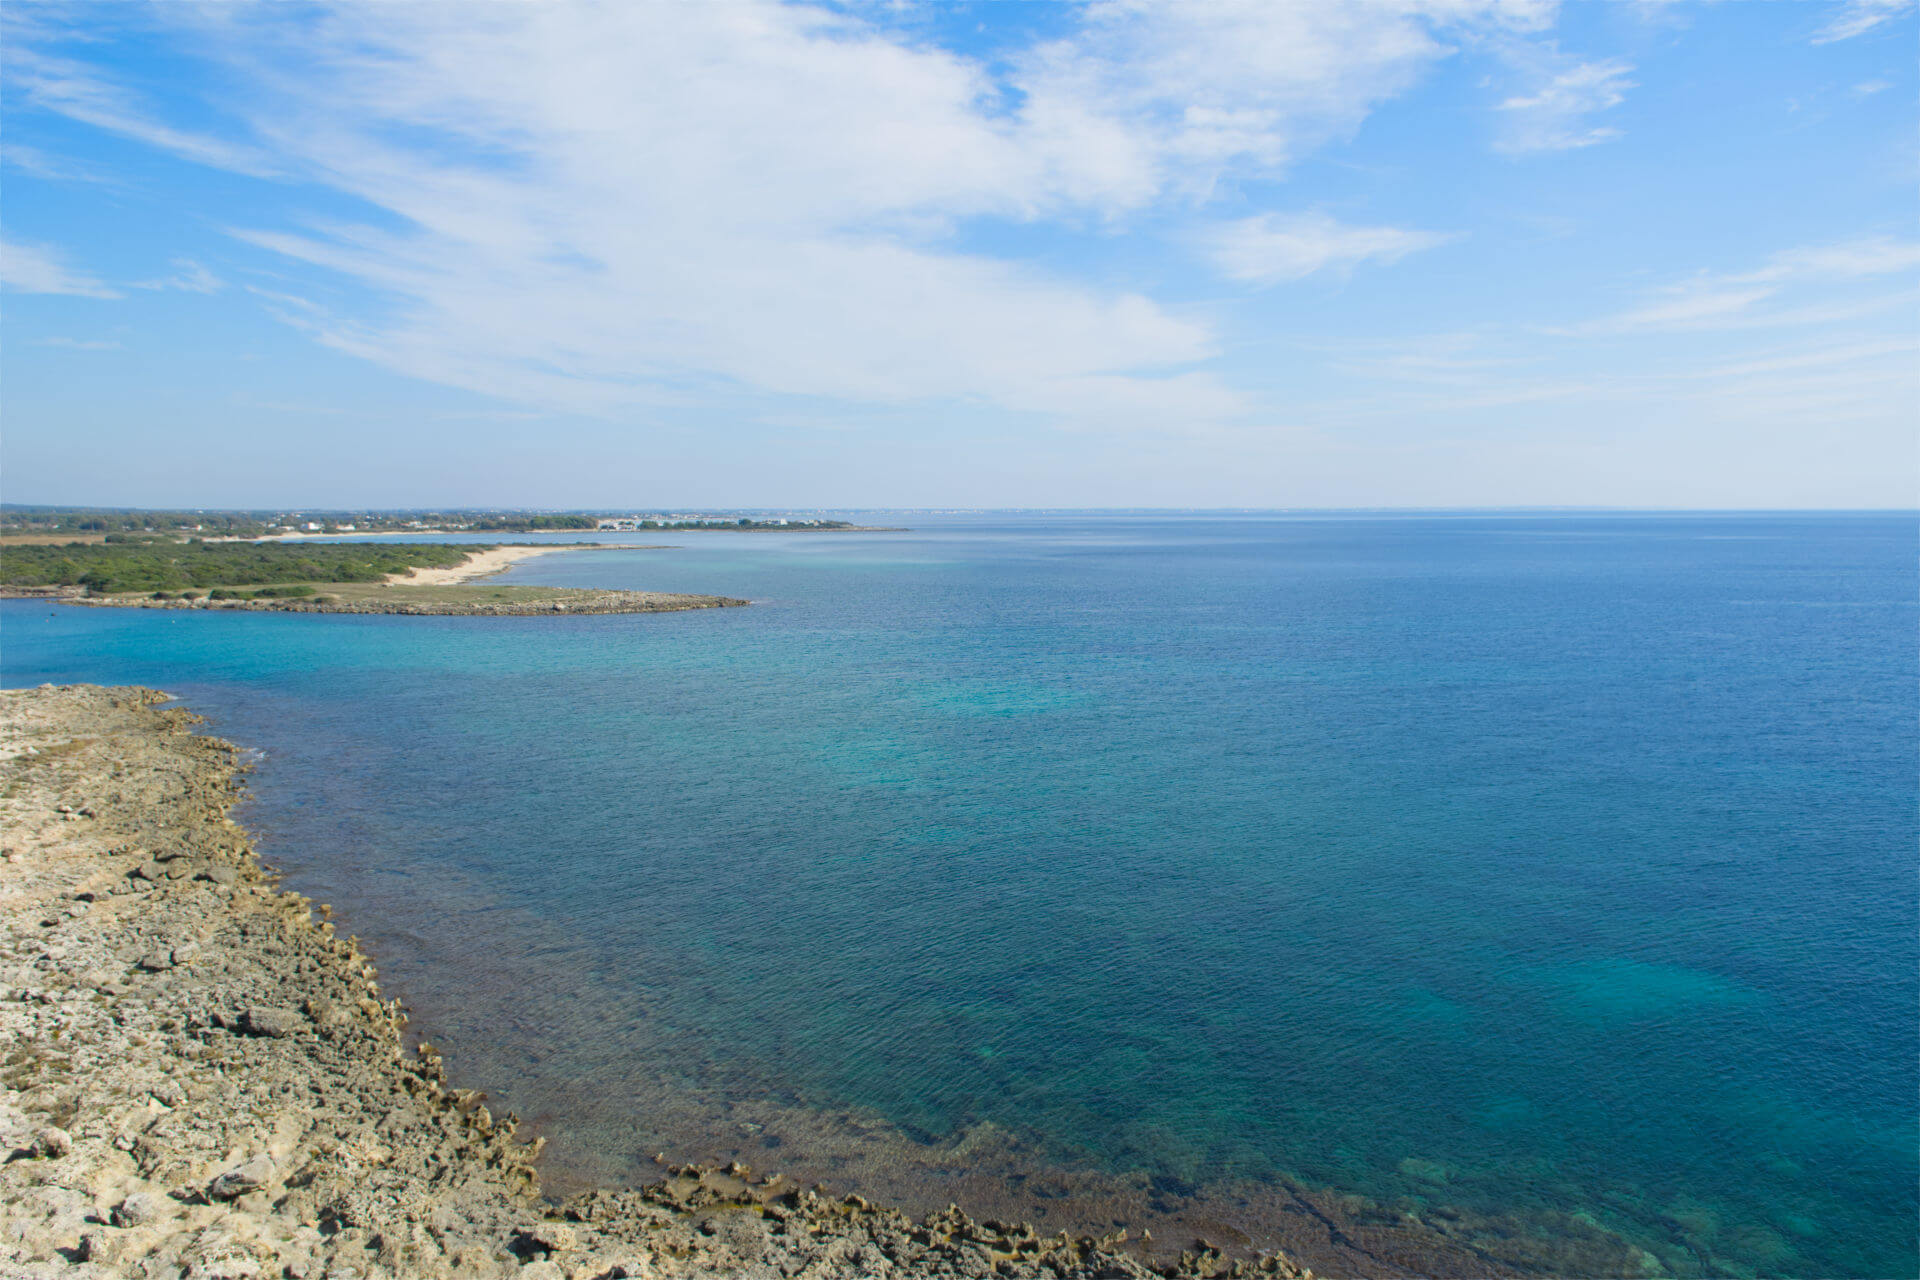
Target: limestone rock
x,y
139,1209
266,1021
238,1181
50,1143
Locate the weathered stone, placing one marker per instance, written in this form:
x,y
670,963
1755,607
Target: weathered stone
x,y
553,1237
262,1021
159,960
51,1143
241,1179
139,1209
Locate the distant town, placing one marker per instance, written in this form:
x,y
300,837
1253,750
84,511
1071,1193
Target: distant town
x,y
92,523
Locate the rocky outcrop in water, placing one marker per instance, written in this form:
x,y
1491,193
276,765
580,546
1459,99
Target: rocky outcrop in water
x,y
566,600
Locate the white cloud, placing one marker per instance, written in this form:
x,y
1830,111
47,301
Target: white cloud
x,y
1157,94
1554,116
76,91
1877,256
38,164
1711,300
30,268
1699,304
586,206
188,277
80,344
1857,17
1275,247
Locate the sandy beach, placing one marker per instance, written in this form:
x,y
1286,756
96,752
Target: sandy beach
x,y
481,564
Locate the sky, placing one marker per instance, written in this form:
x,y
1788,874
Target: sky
x,y
1123,253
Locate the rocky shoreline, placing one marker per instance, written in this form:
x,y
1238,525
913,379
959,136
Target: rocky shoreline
x,y
198,1078
558,600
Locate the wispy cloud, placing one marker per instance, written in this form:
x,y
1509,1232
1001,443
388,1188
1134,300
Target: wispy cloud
x,y
1554,117
1849,260
38,164
1857,17
75,90
1274,247
1720,300
1700,303
590,207
188,277
80,344
33,268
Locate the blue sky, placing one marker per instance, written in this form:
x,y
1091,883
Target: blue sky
x,y
1400,253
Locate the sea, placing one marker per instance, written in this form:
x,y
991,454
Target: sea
x,y
1508,875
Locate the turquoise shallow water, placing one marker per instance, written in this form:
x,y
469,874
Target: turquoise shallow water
x,y
1565,861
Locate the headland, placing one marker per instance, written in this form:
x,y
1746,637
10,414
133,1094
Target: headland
x,y
418,579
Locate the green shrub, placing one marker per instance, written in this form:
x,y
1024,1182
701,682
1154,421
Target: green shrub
x,y
142,566
283,593
161,595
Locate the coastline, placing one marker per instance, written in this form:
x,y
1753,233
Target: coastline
x,y
203,1079
421,592
544,602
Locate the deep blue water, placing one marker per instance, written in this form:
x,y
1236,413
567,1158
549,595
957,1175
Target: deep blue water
x,y
1569,858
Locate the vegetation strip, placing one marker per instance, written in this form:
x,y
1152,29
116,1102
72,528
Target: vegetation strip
x,y
389,578
132,565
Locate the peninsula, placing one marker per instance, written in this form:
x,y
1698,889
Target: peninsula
x,y
127,571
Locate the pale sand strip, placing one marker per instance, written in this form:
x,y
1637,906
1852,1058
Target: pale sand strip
x,y
481,564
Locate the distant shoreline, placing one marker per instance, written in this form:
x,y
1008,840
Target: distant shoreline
x,y
454,591
522,533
